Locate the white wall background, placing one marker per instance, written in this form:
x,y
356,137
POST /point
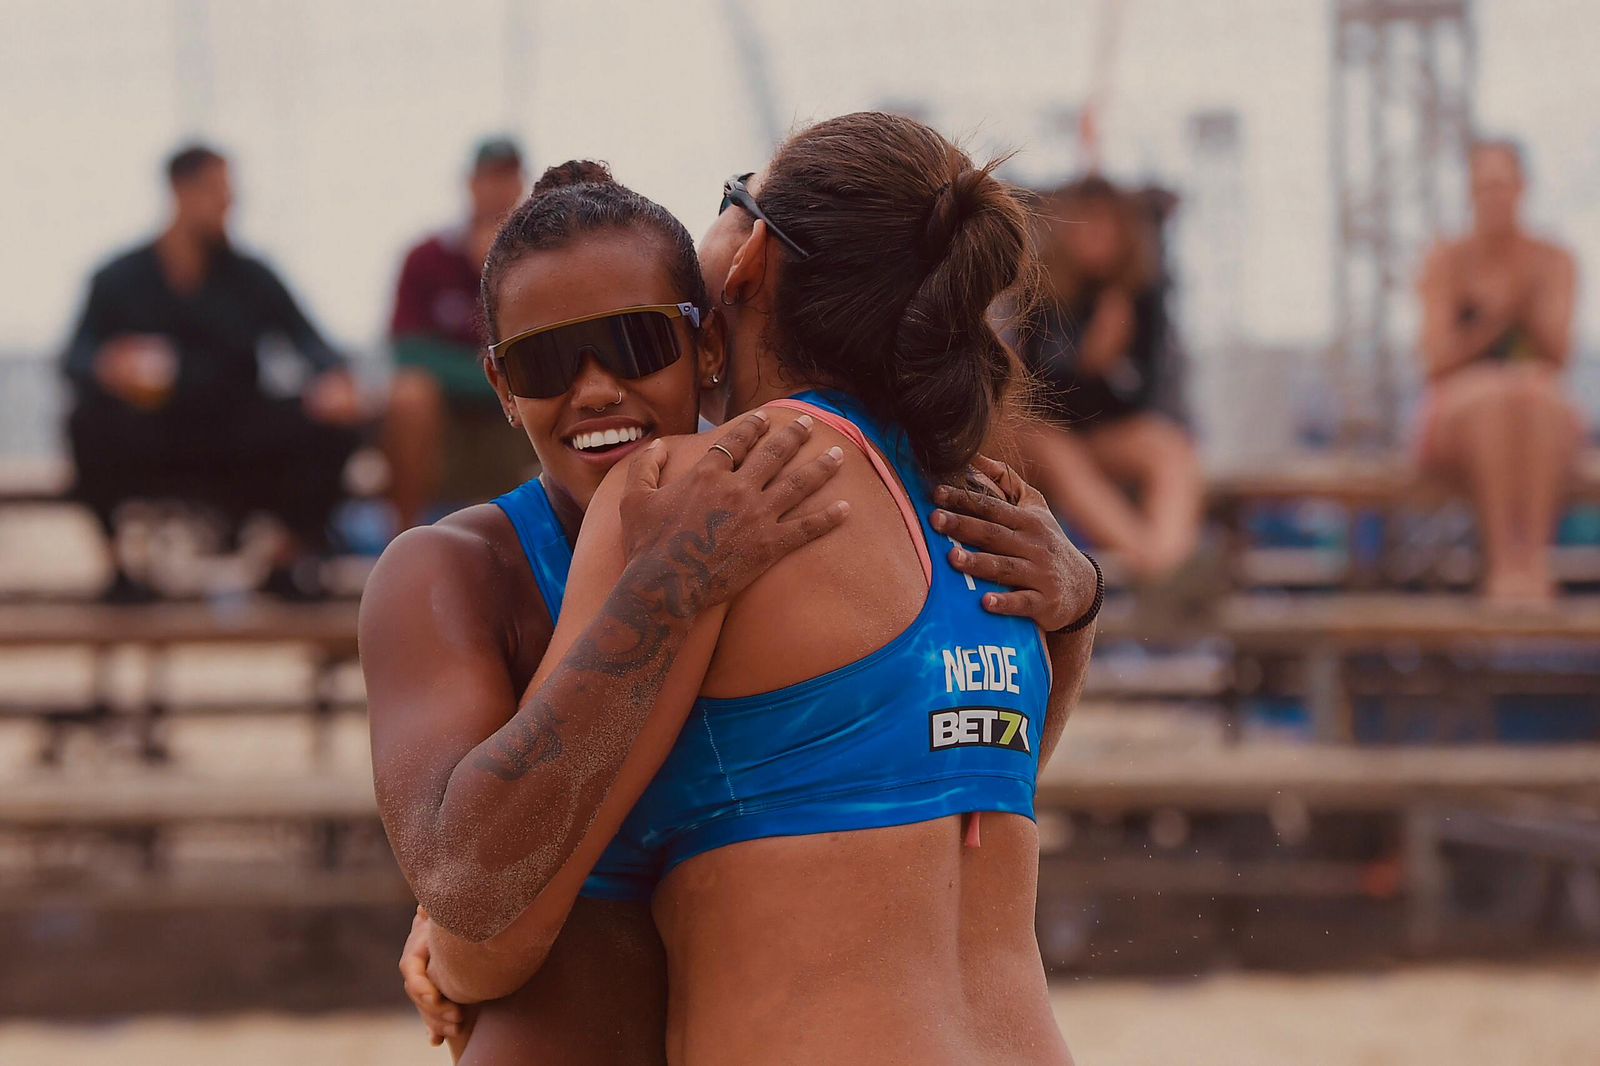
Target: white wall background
x,y
349,120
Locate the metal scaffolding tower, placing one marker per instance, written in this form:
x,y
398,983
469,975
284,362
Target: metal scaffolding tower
x,y
1401,124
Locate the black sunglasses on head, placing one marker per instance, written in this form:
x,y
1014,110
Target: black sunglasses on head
x,y
631,342
736,190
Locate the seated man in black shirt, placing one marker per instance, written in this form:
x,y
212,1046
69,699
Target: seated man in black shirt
x,y
165,378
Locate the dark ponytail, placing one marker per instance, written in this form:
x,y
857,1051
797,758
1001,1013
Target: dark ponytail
x,y
577,197
911,245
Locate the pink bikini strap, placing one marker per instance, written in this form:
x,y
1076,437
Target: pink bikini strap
x,y
886,473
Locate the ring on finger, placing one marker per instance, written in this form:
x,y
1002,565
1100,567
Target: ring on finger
x,y
720,448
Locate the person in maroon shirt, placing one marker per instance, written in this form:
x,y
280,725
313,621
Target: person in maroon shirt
x,y
440,402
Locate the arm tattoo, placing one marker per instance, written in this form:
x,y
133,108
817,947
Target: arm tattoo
x,y
523,744
627,643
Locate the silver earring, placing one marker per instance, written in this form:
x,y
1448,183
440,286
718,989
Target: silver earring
x,y
511,419
715,378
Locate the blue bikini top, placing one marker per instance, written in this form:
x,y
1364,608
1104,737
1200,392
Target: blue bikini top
x,y
543,540
945,719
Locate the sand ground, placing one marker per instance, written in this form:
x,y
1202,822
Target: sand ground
x,y
1430,1016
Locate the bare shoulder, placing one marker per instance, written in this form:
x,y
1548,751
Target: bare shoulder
x,y
472,542
464,558
1551,258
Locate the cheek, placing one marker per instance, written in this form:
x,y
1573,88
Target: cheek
x,y
538,418
673,397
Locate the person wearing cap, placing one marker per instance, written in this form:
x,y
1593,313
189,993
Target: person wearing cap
x,y
445,438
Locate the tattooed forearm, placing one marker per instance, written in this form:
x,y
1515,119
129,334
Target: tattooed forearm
x,y
526,794
679,586
526,742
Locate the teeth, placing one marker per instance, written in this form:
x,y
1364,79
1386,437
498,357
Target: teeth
x,y
606,438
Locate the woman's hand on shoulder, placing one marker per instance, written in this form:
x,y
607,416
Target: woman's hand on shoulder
x,y
727,518
1011,538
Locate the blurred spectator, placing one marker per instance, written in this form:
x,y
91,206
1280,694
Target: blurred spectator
x,y
442,412
1496,335
1107,359
165,379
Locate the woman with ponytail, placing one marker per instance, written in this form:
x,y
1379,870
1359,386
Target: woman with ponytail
x,y
839,849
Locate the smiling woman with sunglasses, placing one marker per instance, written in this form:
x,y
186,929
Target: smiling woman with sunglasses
x,y
811,846
597,295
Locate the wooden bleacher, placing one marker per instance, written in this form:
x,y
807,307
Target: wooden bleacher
x,y
1317,777
134,800
1229,779
328,630
1361,485
147,806
1355,481
1425,790
1365,620
1435,797
1316,637
329,625
1320,635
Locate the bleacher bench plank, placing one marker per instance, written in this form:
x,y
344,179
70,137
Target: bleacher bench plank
x,y
1317,776
1356,621
209,887
1356,481
1353,619
1227,778
331,625
158,798
1211,878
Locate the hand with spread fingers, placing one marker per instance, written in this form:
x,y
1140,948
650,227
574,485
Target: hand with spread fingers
x,y
727,519
445,1021
1010,537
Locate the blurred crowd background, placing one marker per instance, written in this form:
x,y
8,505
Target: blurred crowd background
x,y
1315,335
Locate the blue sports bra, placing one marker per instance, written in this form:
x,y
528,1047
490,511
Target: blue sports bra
x,y
945,719
543,540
